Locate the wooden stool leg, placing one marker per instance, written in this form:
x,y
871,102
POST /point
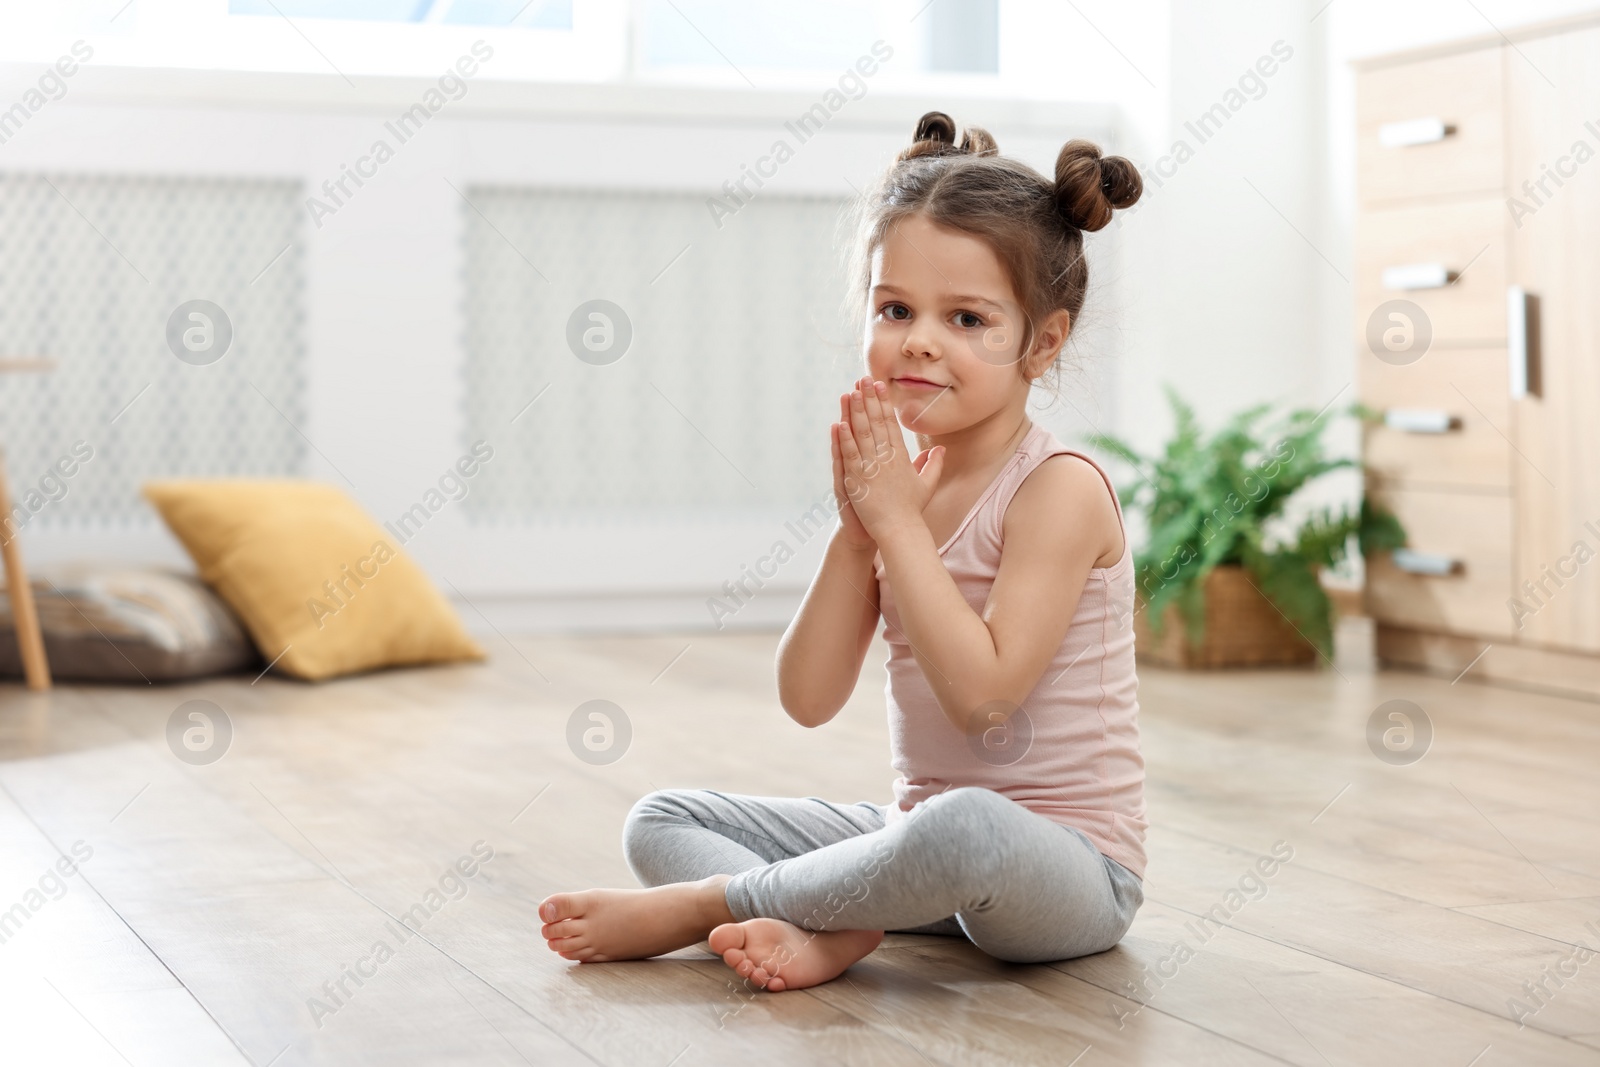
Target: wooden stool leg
x,y
30,641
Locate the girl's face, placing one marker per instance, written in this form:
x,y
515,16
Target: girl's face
x,y
945,330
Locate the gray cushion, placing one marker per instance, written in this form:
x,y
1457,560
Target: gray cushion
x,y
128,624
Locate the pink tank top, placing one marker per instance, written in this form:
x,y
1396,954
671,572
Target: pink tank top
x,y
1072,754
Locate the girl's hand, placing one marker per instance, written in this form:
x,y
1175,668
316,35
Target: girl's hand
x,y
892,489
846,490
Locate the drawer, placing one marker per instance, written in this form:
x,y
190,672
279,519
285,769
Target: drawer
x,y
1397,248
1471,529
1464,93
1464,387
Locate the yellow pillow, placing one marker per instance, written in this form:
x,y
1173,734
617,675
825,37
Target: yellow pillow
x,y
315,581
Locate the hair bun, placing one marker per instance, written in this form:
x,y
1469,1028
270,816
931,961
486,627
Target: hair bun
x,y
936,136
1089,186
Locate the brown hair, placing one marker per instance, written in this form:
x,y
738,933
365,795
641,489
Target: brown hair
x,y
1034,224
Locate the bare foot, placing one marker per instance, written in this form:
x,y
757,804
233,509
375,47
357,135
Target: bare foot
x,y
776,955
598,925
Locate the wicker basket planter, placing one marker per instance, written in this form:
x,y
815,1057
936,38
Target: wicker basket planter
x,y
1243,629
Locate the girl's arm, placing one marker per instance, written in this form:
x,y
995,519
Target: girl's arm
x,y
821,653
820,656
1059,523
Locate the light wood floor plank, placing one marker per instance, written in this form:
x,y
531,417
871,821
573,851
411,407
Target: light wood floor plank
x,y
1447,953
1297,1005
78,984
956,1005
1574,922
1407,918
1428,861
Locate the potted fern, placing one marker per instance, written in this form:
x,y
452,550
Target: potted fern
x,y
1215,588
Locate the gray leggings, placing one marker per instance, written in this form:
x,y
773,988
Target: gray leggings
x,y
965,862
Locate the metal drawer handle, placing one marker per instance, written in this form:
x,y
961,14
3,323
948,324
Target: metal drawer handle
x,y
1428,563
1418,276
1420,420
1522,341
1413,132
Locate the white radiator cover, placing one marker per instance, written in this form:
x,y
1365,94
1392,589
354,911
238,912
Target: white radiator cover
x,y
723,397
91,268
604,507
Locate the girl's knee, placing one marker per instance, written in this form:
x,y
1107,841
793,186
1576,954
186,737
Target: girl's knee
x,y
1030,955
648,814
968,803
1089,931
1036,950
975,798
970,814
960,834
650,805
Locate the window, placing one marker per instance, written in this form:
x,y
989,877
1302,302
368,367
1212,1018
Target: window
x,y
964,36
535,14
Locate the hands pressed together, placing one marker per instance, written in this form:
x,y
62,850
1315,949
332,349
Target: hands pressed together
x,y
878,485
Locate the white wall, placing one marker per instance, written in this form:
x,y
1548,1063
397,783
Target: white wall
x,y
1362,28
1230,303
1235,300
1229,288
383,287
1231,282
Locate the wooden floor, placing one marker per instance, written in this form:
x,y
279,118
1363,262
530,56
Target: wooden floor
x,y
218,900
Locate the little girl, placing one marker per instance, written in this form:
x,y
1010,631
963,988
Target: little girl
x,y
999,565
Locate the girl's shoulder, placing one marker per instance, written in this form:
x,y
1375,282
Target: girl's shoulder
x,y
1067,496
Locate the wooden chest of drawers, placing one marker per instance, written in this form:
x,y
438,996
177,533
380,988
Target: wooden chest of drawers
x,y
1465,92
1478,339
